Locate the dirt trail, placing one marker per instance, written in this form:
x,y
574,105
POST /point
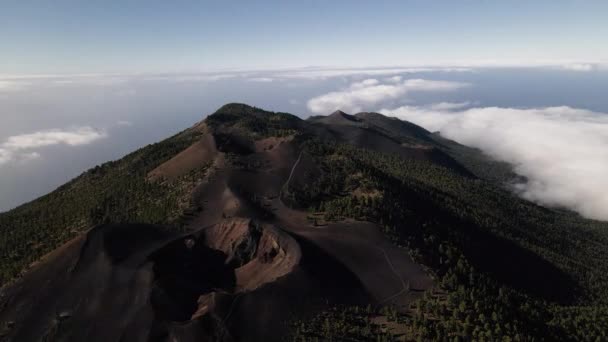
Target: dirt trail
x,y
348,241
405,286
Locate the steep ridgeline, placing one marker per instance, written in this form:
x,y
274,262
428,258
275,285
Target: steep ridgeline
x,y
254,225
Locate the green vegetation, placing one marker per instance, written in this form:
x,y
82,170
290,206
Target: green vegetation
x,y
117,191
478,163
253,122
508,270
342,324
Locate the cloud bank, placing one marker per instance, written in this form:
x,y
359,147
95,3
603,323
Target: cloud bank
x,y
10,85
583,67
391,74
370,92
11,82
325,73
23,147
563,151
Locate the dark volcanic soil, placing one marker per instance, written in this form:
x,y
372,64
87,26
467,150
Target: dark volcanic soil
x,y
246,266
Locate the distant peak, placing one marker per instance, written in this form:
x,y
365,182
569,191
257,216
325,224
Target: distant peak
x,y
338,113
235,108
231,113
235,111
341,115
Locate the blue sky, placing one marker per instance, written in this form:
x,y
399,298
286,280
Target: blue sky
x,y
167,36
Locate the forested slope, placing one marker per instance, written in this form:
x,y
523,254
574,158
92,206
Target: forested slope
x,y
114,192
505,269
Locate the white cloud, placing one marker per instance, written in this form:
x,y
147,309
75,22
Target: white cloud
x,y
365,83
449,105
102,81
584,67
429,85
20,147
260,79
108,80
78,136
370,92
195,77
11,85
5,156
394,79
563,151
391,74
324,73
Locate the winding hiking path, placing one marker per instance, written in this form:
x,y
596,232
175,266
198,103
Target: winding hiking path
x,y
293,168
403,284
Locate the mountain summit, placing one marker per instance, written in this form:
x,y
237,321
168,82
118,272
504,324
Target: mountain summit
x,y
259,226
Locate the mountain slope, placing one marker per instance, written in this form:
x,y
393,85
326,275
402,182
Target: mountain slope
x,y
270,226
113,192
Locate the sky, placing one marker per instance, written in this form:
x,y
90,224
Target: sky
x,y
64,36
82,83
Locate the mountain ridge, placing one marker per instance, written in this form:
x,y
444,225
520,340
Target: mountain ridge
x,y
258,219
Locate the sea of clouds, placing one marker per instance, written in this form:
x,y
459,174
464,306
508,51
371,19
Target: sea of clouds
x,y
562,151
55,126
